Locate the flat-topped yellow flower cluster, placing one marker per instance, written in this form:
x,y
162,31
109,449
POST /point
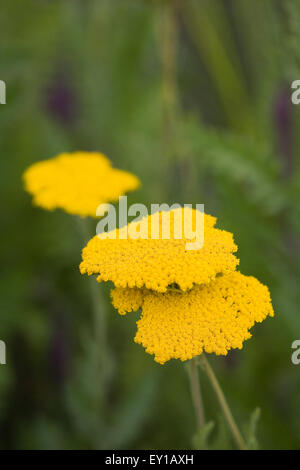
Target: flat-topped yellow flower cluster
x,y
158,263
191,301
77,182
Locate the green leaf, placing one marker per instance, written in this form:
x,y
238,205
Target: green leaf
x,y
252,442
223,439
200,439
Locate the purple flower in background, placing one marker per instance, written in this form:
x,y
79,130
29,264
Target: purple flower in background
x,y
60,99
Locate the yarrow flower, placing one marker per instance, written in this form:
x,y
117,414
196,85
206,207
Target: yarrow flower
x,y
158,263
77,182
191,301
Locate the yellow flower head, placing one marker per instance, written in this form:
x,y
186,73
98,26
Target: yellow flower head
x,y
214,317
77,182
191,301
159,263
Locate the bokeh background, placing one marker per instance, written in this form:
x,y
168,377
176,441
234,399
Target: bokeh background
x,y
193,96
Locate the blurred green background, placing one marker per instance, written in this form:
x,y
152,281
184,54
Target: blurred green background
x,y
193,96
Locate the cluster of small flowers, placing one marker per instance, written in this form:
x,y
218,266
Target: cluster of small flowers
x,y
191,301
77,182
157,264
213,318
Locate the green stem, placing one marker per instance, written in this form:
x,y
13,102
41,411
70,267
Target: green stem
x,y
99,312
167,45
169,61
214,46
98,308
196,393
203,362
173,161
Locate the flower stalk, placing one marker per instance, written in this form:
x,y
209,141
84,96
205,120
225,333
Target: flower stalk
x,y
204,364
98,308
196,393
